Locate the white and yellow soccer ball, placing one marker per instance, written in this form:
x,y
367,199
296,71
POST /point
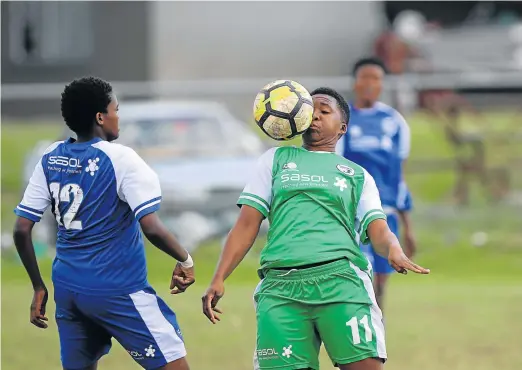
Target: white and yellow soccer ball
x,y
283,109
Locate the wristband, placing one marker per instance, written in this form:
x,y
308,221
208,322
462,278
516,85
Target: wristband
x,y
188,262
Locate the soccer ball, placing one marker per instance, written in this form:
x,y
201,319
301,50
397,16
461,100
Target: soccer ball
x,y
283,109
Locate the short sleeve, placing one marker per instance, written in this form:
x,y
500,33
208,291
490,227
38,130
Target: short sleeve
x,y
140,186
258,192
36,197
404,137
369,207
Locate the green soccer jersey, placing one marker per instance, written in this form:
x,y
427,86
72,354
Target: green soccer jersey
x,y
318,204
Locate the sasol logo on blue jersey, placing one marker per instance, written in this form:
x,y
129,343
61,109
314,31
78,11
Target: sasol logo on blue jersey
x,y
64,161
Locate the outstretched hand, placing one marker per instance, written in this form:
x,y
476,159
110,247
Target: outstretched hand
x,y
210,299
402,264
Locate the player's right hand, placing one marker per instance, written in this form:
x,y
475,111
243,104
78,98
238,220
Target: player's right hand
x,y
38,317
182,278
402,264
213,294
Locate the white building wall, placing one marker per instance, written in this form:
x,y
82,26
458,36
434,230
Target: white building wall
x,y
194,40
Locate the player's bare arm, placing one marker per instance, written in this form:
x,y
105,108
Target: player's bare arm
x,y
387,245
410,244
239,241
24,245
161,238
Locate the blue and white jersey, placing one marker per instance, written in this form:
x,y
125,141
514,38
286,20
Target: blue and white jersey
x,y
98,191
378,139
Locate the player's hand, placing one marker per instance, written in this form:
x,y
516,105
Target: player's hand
x,y
182,278
38,317
410,244
210,300
402,264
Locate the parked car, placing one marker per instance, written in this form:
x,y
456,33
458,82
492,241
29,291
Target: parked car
x,y
202,155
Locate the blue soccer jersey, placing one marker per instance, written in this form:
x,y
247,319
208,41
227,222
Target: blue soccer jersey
x,y
98,191
378,139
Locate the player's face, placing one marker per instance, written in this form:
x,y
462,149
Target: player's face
x,y
327,123
368,83
110,126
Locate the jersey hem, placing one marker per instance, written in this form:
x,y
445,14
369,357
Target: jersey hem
x,y
255,198
137,209
364,235
365,220
153,207
262,271
100,292
28,215
253,204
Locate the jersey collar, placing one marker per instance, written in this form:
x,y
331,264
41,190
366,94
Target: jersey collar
x,y
370,110
72,140
314,151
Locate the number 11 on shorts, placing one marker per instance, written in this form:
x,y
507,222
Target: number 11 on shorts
x,y
353,323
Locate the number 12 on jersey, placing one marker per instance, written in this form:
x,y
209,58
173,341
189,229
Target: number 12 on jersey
x,y
63,194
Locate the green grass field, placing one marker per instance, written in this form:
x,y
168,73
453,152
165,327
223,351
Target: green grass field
x,y
464,316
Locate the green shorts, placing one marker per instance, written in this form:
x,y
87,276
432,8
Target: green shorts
x,y
297,310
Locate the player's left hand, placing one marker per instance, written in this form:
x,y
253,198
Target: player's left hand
x,y
410,244
402,264
213,294
182,278
38,317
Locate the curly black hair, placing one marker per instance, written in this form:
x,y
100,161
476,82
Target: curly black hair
x,y
371,61
82,99
341,102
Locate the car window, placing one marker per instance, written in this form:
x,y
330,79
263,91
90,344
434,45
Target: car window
x,y
184,137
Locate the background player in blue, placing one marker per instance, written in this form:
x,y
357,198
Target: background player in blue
x,y
378,139
100,193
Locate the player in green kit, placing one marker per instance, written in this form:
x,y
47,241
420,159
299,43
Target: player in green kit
x,y
316,284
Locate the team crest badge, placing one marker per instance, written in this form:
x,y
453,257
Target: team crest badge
x,y
290,166
346,170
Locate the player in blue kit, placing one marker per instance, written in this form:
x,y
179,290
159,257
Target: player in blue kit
x,y
101,193
378,139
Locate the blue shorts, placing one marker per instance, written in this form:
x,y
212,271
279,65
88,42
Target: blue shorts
x,y
380,264
141,322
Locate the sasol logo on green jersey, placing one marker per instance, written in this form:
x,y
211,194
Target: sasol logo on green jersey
x,y
302,177
267,352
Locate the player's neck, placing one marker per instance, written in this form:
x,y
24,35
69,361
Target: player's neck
x,y
319,147
363,104
95,134
87,138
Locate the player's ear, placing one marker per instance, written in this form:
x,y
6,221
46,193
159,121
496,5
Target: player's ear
x,y
99,119
344,127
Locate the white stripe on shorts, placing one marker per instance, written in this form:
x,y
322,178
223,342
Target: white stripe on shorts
x,y
256,360
161,329
255,291
376,313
